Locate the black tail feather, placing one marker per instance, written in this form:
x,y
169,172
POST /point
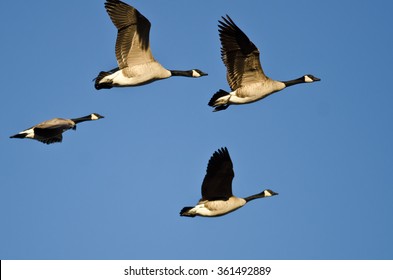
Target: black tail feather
x,y
220,108
184,212
19,135
97,80
216,96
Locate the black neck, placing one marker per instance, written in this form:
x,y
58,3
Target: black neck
x,y
185,73
82,119
255,196
294,82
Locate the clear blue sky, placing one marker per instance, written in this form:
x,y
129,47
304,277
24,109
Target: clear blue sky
x,y
113,189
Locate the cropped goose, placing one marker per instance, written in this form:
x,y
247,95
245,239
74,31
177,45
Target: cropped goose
x,y
136,64
245,75
217,198
50,131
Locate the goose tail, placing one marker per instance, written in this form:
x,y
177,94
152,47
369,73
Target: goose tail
x,y
98,84
19,135
185,212
219,104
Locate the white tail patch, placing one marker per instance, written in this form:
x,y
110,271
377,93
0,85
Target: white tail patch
x,y
29,132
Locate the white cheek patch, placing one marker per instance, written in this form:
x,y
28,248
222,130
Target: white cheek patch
x,y
94,117
195,74
267,193
307,79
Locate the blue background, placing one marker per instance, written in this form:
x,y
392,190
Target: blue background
x,y
113,189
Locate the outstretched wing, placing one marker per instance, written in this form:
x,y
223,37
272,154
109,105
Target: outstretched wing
x,y
50,131
50,140
217,183
239,54
132,43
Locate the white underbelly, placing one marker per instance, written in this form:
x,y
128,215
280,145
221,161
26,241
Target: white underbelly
x,y
255,92
139,75
219,207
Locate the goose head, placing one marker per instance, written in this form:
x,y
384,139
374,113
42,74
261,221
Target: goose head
x,y
196,73
310,78
95,116
267,193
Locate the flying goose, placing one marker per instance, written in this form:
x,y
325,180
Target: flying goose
x,y
217,198
136,64
50,131
245,75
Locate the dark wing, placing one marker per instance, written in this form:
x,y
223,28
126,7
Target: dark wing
x,y
217,183
57,138
50,131
239,54
132,43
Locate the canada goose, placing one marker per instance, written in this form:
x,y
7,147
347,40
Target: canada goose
x,y
217,198
245,75
50,131
137,65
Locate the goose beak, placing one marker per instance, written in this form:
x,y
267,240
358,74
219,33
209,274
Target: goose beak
x,y
203,74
